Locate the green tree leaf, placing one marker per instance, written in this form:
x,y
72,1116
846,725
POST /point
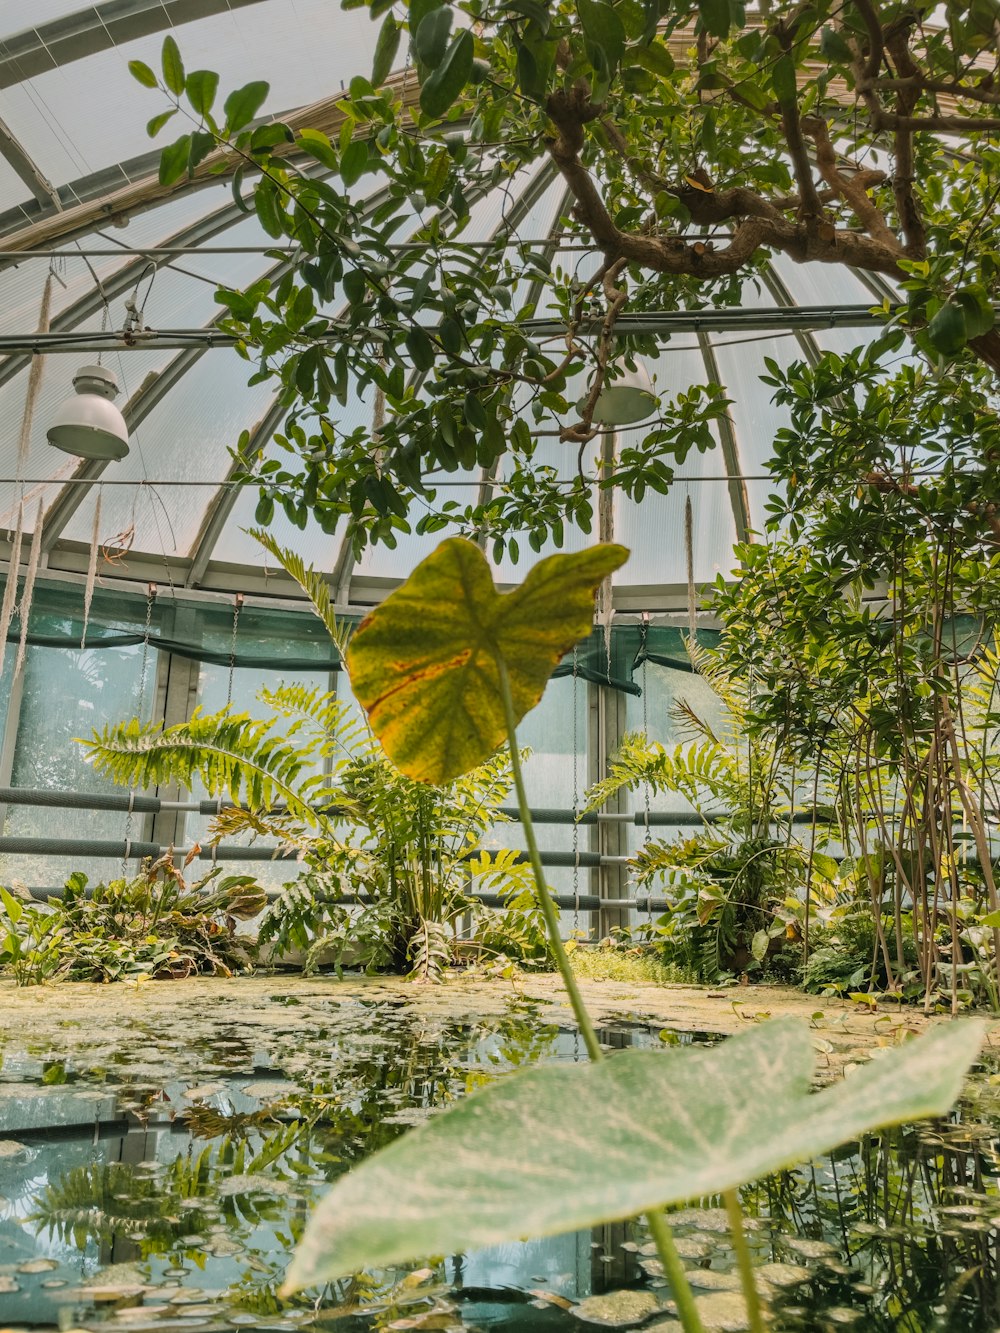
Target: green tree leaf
x,y
157,123
443,87
717,16
947,330
174,160
424,664
353,161
675,1125
141,72
431,37
603,29
173,66
201,85
242,105
385,50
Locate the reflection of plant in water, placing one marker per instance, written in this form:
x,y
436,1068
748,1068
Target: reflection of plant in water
x,y
157,1208
913,1211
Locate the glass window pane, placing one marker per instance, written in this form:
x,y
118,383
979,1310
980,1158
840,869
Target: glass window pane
x,y
68,693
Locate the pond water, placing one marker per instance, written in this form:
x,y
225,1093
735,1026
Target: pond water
x,y
161,1184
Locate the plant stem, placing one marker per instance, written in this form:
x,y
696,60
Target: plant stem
x,y
667,1250
544,897
673,1270
755,1314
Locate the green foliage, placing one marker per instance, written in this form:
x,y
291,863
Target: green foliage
x,y
430,679
29,939
732,885
864,620
155,925
690,170
678,1125
315,778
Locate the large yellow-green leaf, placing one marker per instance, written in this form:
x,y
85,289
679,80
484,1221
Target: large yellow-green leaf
x,y
519,1159
423,665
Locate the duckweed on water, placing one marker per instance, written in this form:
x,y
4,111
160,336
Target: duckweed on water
x,y
162,1183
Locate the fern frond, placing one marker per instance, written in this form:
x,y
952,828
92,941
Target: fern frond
x,y
313,585
232,754
695,771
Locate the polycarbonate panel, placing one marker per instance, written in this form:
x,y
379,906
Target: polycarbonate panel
x,y
306,54
186,438
549,732
755,416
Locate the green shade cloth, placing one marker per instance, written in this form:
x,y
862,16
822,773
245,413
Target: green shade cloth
x,y
282,640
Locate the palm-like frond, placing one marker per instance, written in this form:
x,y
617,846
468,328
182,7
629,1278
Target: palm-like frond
x,y
698,771
232,754
313,585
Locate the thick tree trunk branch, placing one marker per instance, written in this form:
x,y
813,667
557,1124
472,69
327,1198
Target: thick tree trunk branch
x,y
852,189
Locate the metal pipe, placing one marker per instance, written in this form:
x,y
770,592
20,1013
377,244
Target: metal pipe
x,y
766,319
144,804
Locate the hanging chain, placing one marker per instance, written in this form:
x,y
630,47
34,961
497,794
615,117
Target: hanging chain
x,y
643,648
237,607
140,709
576,805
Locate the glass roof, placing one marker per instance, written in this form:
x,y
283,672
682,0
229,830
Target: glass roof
x,y
67,99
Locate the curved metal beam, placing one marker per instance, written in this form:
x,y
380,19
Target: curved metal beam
x,y
127,276
97,28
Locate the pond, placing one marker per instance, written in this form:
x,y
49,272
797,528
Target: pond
x,y
156,1172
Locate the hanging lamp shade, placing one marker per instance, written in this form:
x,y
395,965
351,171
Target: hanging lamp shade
x,y
626,399
88,424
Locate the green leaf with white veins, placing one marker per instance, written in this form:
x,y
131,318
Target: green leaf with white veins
x,y
675,1126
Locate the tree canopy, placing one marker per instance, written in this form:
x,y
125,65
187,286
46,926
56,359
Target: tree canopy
x,y
693,140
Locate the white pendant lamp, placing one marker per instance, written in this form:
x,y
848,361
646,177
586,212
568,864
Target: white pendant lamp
x,y
626,399
89,425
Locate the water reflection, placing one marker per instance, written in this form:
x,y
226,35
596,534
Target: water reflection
x,y
135,1196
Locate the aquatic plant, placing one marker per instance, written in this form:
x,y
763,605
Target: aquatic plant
x,y
446,667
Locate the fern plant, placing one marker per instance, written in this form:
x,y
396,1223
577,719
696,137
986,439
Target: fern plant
x,y
731,883
314,778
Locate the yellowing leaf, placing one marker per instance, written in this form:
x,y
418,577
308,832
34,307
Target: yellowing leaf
x,y
424,665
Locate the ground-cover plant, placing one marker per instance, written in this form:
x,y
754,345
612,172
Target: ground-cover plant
x,y
446,667
153,924
315,778
29,939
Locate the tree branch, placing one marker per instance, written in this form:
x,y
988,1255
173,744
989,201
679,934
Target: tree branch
x,y
852,189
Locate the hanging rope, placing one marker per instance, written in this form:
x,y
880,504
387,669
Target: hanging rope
x,y
24,609
140,708
88,592
10,591
689,554
34,377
